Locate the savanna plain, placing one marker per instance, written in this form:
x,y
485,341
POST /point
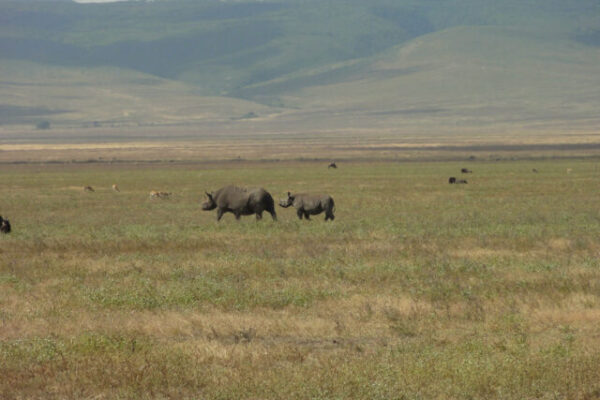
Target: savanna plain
x,y
418,289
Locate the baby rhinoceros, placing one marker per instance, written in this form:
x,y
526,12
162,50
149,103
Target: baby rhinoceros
x,y
310,204
240,201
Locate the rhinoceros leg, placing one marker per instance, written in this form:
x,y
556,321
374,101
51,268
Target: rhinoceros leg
x,y
237,215
300,213
220,214
269,206
259,215
306,215
329,215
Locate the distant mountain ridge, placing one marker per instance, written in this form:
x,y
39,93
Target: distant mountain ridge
x,y
299,53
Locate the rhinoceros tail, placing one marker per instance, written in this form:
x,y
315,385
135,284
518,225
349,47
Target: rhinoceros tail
x,y
270,206
332,203
329,208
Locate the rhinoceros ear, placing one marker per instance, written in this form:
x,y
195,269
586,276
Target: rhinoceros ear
x,y
289,194
208,195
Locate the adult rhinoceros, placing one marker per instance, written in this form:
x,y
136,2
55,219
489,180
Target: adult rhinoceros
x,y
240,201
310,204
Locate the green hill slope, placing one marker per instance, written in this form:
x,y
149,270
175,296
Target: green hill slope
x,y
216,46
465,77
107,96
424,63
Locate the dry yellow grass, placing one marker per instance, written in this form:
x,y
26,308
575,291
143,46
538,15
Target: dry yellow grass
x,y
418,289
253,142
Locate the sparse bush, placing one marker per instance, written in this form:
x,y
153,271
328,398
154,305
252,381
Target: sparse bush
x,y
43,125
249,115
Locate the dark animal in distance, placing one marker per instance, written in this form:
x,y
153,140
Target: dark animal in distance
x,y
88,189
332,165
240,201
451,180
466,171
309,204
534,170
4,225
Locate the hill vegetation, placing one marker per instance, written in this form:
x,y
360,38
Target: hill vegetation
x,y
464,59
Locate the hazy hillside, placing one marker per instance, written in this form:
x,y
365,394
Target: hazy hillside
x,y
465,77
109,97
480,60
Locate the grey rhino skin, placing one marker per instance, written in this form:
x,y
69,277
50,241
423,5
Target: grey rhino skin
x,y
240,201
310,204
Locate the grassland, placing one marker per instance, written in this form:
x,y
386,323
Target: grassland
x,y
418,290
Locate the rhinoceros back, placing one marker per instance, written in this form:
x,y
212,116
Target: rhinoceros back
x,y
238,198
312,201
231,197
